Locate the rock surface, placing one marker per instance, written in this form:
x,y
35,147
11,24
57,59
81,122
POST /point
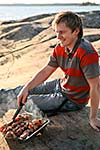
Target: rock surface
x,y
68,130
20,41
33,39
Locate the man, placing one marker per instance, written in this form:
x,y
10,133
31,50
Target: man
x,y
79,61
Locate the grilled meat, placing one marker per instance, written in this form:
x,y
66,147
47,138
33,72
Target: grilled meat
x,y
21,127
10,135
25,134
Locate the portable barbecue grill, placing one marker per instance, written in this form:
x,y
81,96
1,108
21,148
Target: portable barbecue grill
x,y
39,130
9,127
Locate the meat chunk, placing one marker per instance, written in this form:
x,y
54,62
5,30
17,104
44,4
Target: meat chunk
x,y
10,135
21,127
25,134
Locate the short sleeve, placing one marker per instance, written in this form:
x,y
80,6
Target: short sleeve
x,y
90,65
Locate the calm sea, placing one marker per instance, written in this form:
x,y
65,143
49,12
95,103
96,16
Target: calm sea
x,y
20,12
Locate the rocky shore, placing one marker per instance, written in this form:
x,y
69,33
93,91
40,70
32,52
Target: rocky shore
x,y
33,39
25,46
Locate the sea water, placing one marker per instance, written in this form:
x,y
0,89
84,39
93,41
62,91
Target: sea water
x,y
15,12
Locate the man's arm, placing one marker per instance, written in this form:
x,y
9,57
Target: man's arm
x,y
36,80
94,102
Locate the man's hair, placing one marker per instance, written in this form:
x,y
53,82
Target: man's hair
x,y
71,20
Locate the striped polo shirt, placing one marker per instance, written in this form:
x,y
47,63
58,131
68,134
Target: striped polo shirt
x,y
83,64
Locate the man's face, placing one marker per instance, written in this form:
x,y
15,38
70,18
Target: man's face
x,y
65,35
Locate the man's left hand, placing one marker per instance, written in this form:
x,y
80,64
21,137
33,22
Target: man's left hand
x,y
95,124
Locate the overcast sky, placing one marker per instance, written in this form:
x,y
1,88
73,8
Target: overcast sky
x,y
46,1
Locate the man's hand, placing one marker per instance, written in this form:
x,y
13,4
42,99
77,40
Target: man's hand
x,y
22,97
95,124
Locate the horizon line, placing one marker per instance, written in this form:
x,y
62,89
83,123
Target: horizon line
x,y
83,3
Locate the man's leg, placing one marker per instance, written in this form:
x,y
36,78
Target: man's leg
x,y
72,106
45,87
48,96
48,101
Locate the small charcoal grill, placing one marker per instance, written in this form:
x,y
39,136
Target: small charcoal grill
x,y
39,130
23,124
9,128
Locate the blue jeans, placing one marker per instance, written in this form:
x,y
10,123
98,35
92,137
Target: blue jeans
x,y
48,96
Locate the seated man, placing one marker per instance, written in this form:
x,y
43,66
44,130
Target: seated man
x,y
78,59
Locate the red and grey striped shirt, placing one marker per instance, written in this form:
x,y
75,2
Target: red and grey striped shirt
x,y
83,64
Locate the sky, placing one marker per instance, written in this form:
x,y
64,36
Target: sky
x,y
46,1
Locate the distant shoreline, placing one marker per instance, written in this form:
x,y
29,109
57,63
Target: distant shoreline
x,y
54,4
21,11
